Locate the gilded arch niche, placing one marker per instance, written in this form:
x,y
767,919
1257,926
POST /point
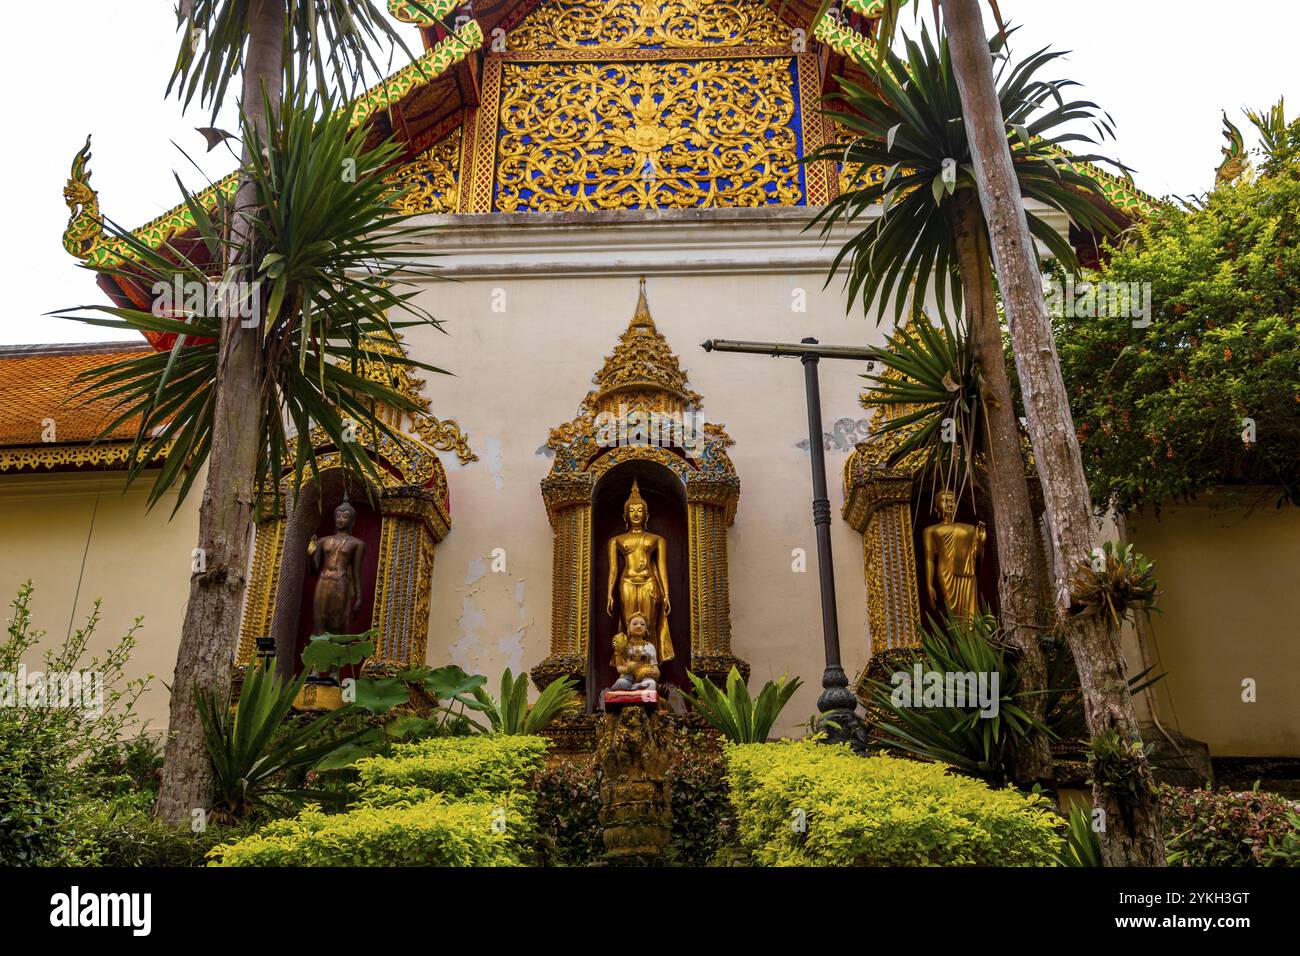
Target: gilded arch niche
x,y
886,497
413,509
642,412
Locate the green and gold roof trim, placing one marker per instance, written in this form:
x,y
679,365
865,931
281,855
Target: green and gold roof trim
x,y
423,13
84,236
433,63
1118,192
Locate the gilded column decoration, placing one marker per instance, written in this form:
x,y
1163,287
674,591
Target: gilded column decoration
x,y
642,409
568,504
259,602
413,521
878,492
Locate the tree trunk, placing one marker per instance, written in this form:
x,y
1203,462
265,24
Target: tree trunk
x,y
1020,585
210,633
1132,835
303,519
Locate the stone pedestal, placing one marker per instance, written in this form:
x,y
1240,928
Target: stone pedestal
x,y
635,797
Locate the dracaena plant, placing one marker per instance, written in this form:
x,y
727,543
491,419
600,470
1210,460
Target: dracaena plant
x,y
907,144
972,738
510,713
740,718
931,378
249,753
335,258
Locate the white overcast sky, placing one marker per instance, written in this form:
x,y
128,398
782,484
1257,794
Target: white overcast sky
x,y
1164,69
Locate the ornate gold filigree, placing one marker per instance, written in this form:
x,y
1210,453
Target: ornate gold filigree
x,y
629,24
641,362
444,435
663,134
96,456
431,181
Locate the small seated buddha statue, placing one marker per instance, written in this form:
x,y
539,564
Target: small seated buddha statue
x,y
635,658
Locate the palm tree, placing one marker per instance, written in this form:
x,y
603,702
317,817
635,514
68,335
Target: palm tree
x,y
1133,833
1122,784
931,227
239,370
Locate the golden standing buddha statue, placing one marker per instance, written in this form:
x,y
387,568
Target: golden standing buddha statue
x,y
952,551
643,584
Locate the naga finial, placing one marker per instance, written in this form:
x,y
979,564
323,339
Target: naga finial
x,y
1234,154
85,225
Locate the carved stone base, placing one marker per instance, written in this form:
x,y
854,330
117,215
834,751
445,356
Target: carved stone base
x,y
717,668
571,736
635,796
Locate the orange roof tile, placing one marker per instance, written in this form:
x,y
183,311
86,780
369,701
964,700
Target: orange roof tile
x,y
38,383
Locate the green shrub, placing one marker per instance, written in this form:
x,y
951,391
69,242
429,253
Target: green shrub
x,y
431,831
1160,409
123,767
444,801
122,831
807,803
1225,827
48,749
568,812
457,766
36,795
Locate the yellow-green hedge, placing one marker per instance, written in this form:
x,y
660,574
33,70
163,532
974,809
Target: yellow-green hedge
x,y
809,804
433,831
447,801
457,766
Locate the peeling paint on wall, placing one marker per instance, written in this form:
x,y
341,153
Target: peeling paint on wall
x,y
492,458
493,622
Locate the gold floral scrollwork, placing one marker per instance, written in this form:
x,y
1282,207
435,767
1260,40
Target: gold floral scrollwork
x,y
444,435
430,182
663,134
629,24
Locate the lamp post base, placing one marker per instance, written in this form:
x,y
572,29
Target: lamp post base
x,y
838,707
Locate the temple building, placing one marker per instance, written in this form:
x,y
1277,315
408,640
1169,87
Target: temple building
x,y
613,182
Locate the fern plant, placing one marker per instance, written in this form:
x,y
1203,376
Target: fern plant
x,y
740,718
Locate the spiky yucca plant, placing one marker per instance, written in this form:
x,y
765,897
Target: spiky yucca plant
x,y
248,759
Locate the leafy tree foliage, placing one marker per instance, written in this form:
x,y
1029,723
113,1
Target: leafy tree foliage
x,y
1162,410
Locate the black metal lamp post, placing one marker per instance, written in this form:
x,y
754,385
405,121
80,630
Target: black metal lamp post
x,y
837,704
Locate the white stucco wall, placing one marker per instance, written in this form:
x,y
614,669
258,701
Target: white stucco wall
x,y
521,371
